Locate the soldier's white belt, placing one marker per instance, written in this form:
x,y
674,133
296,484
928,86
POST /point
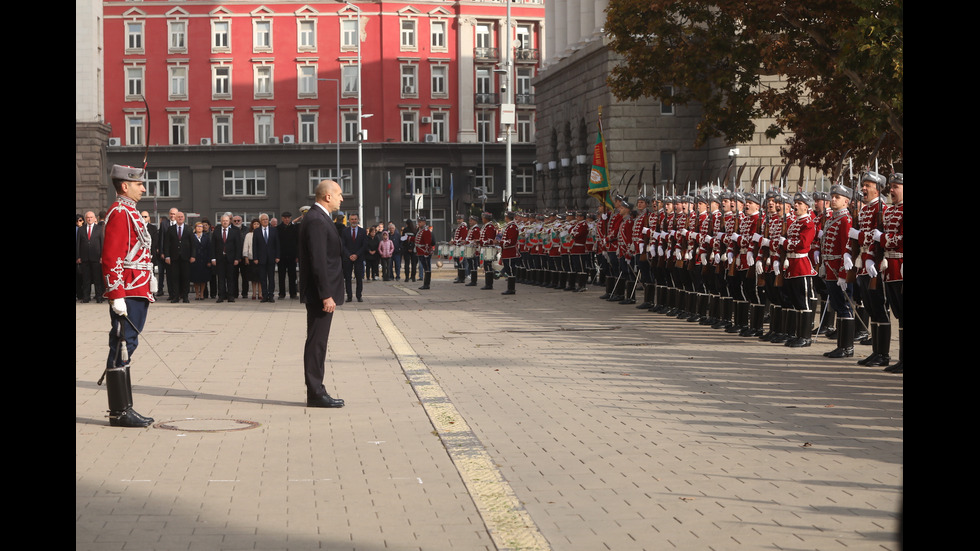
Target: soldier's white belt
x,y
832,256
893,254
797,255
137,265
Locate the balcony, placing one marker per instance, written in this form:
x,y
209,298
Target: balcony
x,y
526,55
486,55
524,99
486,99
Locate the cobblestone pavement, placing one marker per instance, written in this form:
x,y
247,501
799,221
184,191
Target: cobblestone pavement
x,y
476,421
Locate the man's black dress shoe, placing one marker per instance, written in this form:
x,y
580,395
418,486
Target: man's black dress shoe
x,y
325,401
359,299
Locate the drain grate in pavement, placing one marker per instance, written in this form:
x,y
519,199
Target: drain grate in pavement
x,y
207,425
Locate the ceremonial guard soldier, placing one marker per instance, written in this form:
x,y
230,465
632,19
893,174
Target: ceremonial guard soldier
x,y
611,220
508,251
890,239
459,239
836,259
867,271
799,271
473,242
711,258
579,254
752,307
770,269
698,233
823,214
488,235
127,268
423,250
622,292
641,232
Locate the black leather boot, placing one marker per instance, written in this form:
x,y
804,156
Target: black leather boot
x,y
511,286
845,339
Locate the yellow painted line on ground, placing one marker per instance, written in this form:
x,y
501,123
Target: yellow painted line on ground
x,y
508,523
406,290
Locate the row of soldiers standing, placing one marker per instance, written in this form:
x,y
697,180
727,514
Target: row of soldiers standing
x,y
728,260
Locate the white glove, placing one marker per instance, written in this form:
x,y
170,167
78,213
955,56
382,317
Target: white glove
x,y
749,260
756,237
677,255
764,242
717,258
704,259
842,283
759,268
153,282
119,306
853,233
660,251
884,265
816,256
848,263
869,265
730,258
877,235
901,270
820,234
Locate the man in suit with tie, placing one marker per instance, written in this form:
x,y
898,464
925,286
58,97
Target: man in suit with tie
x,y
265,247
88,255
226,253
158,252
352,239
321,286
177,251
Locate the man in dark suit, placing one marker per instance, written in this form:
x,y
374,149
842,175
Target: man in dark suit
x,y
322,288
158,253
352,240
226,253
265,248
288,241
177,251
88,255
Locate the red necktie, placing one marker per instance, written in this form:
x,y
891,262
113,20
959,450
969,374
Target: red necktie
x,y
224,235
90,232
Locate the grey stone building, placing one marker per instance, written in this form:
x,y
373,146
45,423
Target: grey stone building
x,y
645,134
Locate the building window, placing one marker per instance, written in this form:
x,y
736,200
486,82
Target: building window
x,y
222,129
221,87
345,179
525,132
348,34
484,87
666,166
523,94
134,37
438,35
306,36
439,79
262,36
409,80
220,30
440,126
134,83
178,82
307,128
423,180
163,183
408,34
350,127
178,130
410,126
307,81
349,76
263,81
484,127
666,108
178,36
524,38
134,130
484,177
484,38
523,181
244,182
263,128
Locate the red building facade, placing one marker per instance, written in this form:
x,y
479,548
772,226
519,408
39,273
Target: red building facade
x,y
246,99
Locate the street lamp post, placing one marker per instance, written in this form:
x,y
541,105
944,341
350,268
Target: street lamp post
x,y
360,132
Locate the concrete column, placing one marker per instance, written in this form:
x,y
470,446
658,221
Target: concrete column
x,y
573,26
464,44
